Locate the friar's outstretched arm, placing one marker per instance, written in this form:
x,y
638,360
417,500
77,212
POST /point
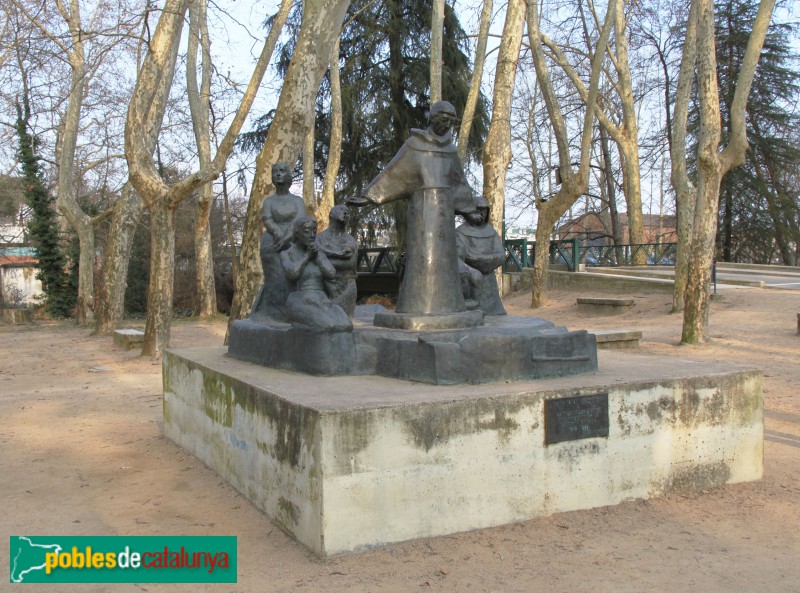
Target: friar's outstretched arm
x,y
398,180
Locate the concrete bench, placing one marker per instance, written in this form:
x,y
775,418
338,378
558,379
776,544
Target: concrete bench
x,y
617,339
17,316
128,339
604,306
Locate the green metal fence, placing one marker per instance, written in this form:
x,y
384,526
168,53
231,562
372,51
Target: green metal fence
x,y
570,253
384,261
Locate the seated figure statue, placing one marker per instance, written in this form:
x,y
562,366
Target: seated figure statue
x,y
307,268
342,252
480,252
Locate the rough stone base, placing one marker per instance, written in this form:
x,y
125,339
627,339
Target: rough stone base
x,y
503,349
279,345
464,319
349,463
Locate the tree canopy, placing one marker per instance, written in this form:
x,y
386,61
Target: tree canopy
x,y
384,68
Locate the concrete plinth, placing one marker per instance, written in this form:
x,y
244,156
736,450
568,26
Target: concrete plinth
x,y
349,463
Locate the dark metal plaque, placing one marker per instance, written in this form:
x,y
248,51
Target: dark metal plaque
x,y
573,418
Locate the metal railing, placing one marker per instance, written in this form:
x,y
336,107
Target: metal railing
x,y
570,253
378,261
384,261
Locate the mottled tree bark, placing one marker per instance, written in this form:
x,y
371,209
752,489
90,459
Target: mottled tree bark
x,y
111,301
335,146
684,190
437,33
321,26
573,183
308,169
68,140
497,150
712,164
199,106
475,84
162,200
126,214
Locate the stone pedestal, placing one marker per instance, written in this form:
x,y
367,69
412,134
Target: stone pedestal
x,y
349,463
282,346
503,349
461,320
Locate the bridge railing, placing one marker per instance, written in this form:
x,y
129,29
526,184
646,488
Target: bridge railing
x,y
378,261
570,253
385,261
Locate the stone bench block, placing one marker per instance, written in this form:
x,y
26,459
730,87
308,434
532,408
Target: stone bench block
x,y
604,306
128,339
17,316
617,339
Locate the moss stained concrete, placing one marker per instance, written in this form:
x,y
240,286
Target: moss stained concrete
x,y
349,463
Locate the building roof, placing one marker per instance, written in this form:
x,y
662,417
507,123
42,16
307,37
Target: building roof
x,y
648,220
18,261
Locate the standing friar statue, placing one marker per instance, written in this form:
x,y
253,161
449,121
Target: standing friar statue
x,y
427,172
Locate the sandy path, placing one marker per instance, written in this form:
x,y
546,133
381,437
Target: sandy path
x,y
81,453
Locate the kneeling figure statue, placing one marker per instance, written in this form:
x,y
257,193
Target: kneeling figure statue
x,y
307,268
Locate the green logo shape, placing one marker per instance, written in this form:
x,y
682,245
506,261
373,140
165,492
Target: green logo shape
x,y
122,559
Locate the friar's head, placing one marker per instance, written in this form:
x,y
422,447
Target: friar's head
x,y
442,117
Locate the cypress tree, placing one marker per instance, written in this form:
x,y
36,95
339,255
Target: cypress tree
x,y
59,299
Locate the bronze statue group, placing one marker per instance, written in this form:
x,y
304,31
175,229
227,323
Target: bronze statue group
x,y
310,278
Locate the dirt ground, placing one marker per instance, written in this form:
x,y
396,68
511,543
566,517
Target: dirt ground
x,y
81,453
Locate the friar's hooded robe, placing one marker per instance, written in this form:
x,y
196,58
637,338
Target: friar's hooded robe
x,y
427,171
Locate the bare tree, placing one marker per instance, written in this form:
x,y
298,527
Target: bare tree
x,y
625,131
309,184
437,29
698,205
475,85
162,200
85,46
573,183
199,99
335,145
497,150
320,28
127,212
